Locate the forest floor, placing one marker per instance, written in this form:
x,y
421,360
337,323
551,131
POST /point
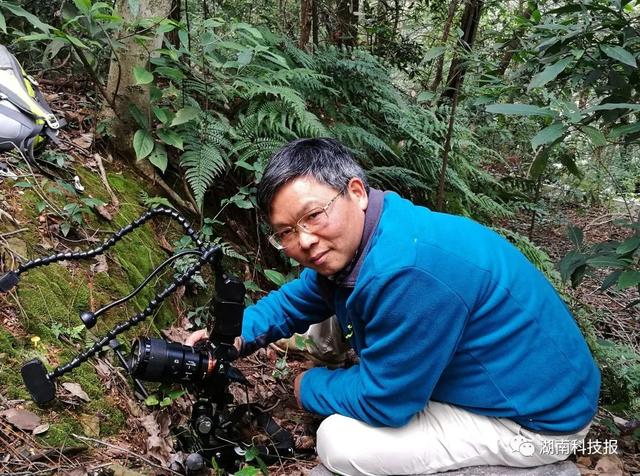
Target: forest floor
x,y
144,444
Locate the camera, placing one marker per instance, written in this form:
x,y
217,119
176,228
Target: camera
x,y
156,360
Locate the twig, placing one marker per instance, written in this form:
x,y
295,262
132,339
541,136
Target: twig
x,y
132,453
610,217
38,188
5,214
147,170
11,250
15,232
85,62
103,175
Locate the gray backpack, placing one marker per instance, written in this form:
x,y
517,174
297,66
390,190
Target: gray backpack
x,y
25,117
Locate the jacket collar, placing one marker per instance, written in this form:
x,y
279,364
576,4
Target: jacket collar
x,y
349,274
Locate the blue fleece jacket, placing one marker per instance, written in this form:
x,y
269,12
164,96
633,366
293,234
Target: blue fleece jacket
x,y
442,309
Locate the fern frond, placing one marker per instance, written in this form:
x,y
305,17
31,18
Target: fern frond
x,y
204,157
252,89
229,250
357,137
398,179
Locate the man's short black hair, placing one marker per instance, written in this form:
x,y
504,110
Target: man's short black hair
x,y
324,159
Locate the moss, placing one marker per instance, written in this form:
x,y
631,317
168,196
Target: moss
x,y
11,353
52,296
59,433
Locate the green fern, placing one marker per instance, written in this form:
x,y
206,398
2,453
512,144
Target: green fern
x,y
398,179
204,156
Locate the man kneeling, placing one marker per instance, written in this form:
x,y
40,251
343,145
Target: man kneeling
x,y
467,355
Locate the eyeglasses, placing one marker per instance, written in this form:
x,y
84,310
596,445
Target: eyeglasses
x,y
311,222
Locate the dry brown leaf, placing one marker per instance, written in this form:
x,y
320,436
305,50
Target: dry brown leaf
x,y
119,470
76,390
239,394
101,265
610,465
104,212
102,369
90,425
165,245
176,334
306,442
40,429
164,420
22,419
83,141
158,444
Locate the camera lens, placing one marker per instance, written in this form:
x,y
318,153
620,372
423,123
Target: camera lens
x,y
157,360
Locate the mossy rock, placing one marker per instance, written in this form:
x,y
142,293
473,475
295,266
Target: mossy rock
x,y
50,298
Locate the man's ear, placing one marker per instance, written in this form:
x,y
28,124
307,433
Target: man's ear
x,y
358,192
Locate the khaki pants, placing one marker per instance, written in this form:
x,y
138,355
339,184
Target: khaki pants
x,y
440,438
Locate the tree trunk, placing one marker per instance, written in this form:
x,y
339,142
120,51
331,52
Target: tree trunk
x,y
457,70
305,23
347,23
314,22
453,6
512,45
469,26
121,83
176,11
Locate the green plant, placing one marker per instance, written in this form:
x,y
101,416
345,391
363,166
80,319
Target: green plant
x,y
622,258
74,333
282,369
163,397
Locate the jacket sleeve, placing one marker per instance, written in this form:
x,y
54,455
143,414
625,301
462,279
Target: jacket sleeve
x,y
292,308
413,323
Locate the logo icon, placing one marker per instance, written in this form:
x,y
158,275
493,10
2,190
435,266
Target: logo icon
x,y
519,444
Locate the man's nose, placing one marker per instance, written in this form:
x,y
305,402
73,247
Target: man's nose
x,y
306,239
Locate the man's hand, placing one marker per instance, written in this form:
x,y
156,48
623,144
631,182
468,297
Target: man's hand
x,y
196,337
202,334
296,389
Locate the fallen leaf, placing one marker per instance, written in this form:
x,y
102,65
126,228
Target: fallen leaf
x,y
90,425
22,419
83,141
40,429
76,390
104,213
165,245
238,393
119,470
610,465
158,444
101,265
103,370
306,442
176,334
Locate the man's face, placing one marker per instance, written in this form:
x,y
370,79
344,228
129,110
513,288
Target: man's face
x,y
331,248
